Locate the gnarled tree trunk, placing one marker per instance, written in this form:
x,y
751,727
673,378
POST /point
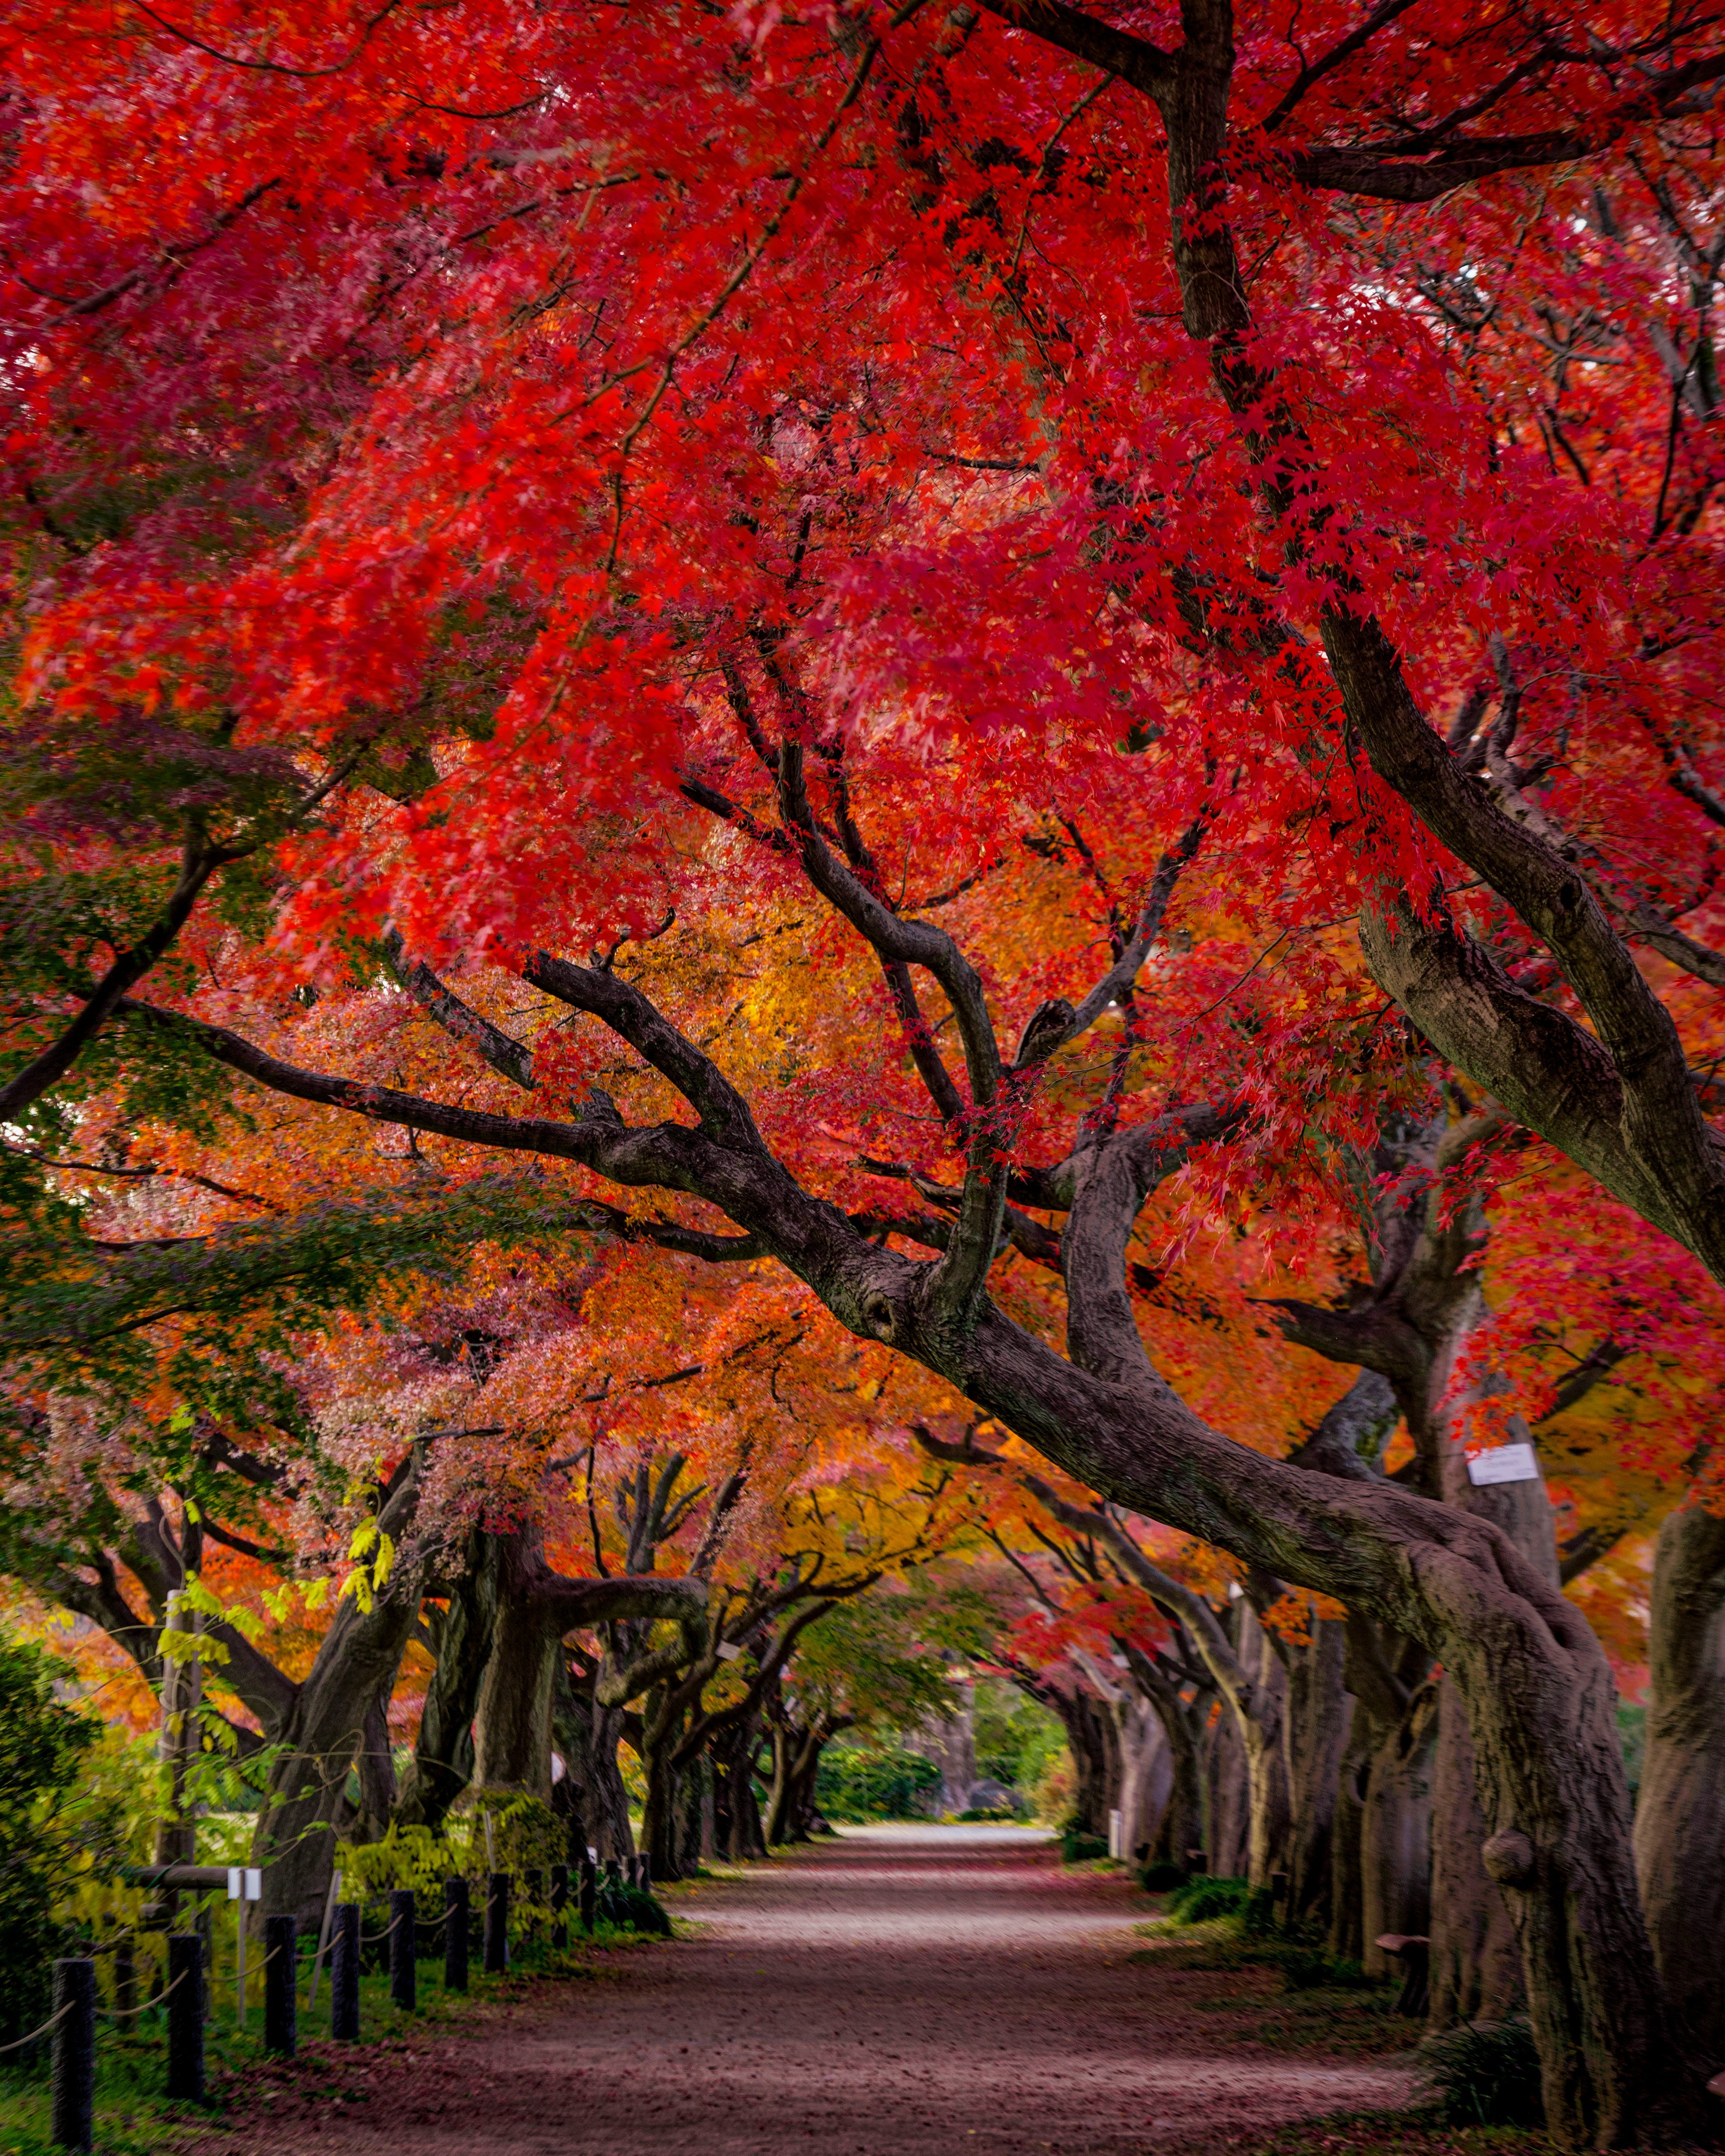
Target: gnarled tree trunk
x,y
1680,1819
1316,1729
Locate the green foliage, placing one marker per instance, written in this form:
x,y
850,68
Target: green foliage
x,y
1017,1737
1483,2074
1632,1736
78,1314
55,1835
1076,1848
867,1659
1203,1899
526,1835
856,1781
632,1910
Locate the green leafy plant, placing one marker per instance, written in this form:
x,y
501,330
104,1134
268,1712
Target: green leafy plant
x,y
55,1836
1484,2073
1203,1899
874,1781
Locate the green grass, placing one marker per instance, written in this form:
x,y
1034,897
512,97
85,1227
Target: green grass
x,y
1289,1996
1395,2133
134,2117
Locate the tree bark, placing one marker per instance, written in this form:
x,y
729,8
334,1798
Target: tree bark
x,y
1228,1779
1318,1722
1680,1819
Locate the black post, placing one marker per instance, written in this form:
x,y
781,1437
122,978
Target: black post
x,y
403,1943
533,1893
559,1905
74,1996
281,2018
457,1914
1197,1862
644,1872
205,1920
589,1895
497,1923
125,1976
344,1975
185,2017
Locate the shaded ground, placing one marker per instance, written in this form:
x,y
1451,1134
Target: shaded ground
x,y
909,1989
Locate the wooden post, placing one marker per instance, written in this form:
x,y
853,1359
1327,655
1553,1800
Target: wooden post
x,y
457,1914
125,1976
559,1907
74,1997
185,2017
644,1872
281,1950
589,1895
1197,1862
344,1975
403,1947
497,1923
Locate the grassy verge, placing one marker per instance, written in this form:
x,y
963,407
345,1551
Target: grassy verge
x,y
134,2118
1286,1995
1397,2134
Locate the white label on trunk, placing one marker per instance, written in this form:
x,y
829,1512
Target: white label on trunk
x,y
236,1880
254,1883
1504,1463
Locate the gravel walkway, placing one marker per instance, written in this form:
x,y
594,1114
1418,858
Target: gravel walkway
x,y
906,1990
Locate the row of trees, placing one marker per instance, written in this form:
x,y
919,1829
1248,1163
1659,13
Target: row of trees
x,y
1100,653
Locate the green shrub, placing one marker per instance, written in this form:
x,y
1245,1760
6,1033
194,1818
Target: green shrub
x,y
1080,1848
1484,2073
55,1836
861,1782
1306,1967
631,1910
1203,1899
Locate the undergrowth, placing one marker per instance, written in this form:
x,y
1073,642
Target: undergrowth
x,y
134,2117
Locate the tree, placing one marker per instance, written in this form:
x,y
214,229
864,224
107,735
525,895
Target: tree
x,y
1270,604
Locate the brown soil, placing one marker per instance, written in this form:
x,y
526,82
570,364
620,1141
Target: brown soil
x,y
904,1990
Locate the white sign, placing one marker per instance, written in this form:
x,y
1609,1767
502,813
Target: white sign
x,y
1505,1463
254,1883
727,1653
245,1882
236,1881
1114,1833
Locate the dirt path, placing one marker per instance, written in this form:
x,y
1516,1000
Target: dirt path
x,y
907,1990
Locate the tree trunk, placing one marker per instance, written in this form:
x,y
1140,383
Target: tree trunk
x,y
737,1821
588,1737
1181,1826
1345,1940
1680,1820
442,1764
377,1769
511,1729
1095,1760
1229,1809
1476,1957
1261,1732
306,1806
1395,1858
1147,1773
1316,1728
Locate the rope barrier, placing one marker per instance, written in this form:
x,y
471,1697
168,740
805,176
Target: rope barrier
x,y
371,1938
126,2013
42,2031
